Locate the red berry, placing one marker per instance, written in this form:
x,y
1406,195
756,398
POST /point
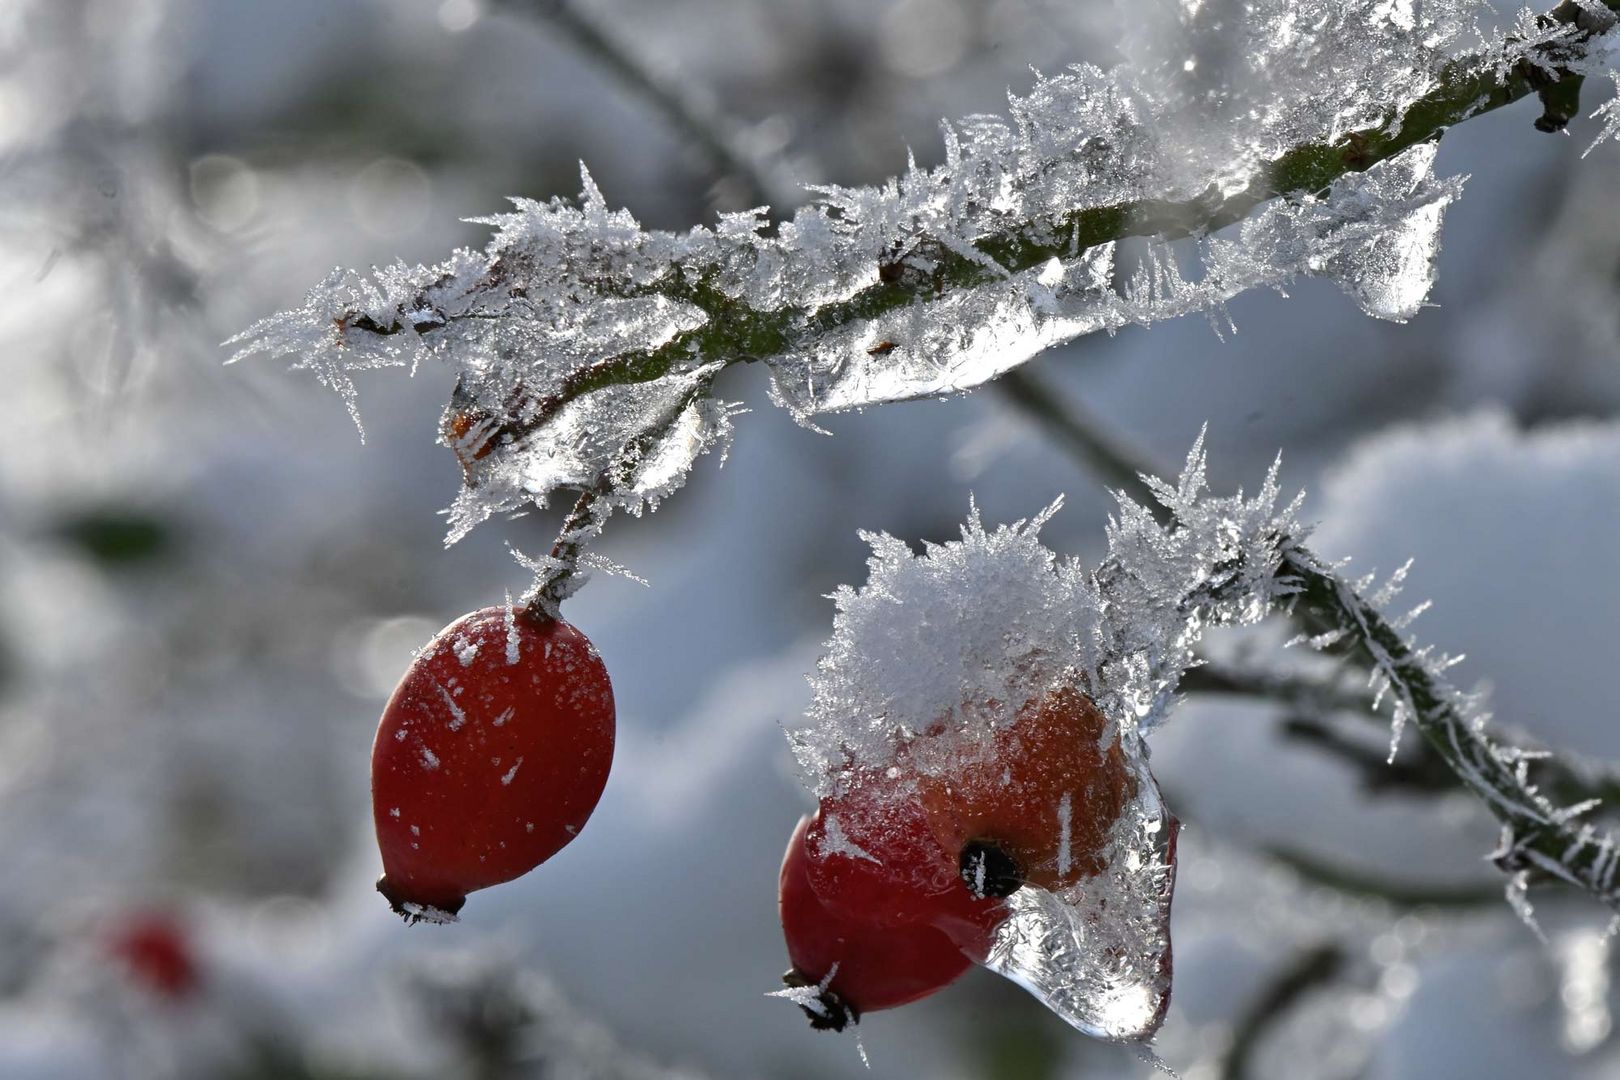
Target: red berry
x,y
873,858
1038,805
489,757
864,966
157,952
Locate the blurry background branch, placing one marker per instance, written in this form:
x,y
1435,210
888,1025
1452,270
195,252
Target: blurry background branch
x,y
1311,969
702,126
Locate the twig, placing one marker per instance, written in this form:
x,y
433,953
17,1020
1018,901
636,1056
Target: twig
x,y
561,578
557,575
1540,833
1539,837
699,125
1415,771
1398,893
1304,693
1083,437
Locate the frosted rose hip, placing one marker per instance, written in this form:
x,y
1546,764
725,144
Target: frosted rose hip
x,y
489,757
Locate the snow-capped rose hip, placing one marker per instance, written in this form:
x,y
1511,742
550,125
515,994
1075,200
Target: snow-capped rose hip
x,y
1036,805
842,967
489,757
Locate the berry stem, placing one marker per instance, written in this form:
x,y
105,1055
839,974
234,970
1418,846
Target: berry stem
x,y
562,578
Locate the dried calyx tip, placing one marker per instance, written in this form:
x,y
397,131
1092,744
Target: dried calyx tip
x,y
989,870
826,1010
415,911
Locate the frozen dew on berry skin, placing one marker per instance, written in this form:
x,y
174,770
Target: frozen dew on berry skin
x,y
489,757
1002,694
1041,797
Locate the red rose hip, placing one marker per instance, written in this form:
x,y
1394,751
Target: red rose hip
x,y
489,758
849,967
871,857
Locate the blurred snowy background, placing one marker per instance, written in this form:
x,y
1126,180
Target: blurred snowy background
x,y
208,585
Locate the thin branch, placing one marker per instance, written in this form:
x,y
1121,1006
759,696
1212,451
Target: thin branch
x,y
561,578
701,126
1087,440
1455,754
1375,887
1312,694
1539,836
1416,770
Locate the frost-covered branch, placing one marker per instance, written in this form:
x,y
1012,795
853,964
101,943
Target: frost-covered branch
x,y
575,328
1096,448
1539,836
1230,561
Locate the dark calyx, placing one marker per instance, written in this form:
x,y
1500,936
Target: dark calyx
x,y
440,910
829,1011
989,870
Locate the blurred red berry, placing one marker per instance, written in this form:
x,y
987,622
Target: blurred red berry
x,y
489,758
157,952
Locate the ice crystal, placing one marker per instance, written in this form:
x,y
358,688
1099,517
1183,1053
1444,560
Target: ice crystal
x,y
1098,952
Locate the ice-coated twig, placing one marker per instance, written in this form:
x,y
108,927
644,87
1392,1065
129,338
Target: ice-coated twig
x,y
635,470
1584,788
707,129
575,322
1233,560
